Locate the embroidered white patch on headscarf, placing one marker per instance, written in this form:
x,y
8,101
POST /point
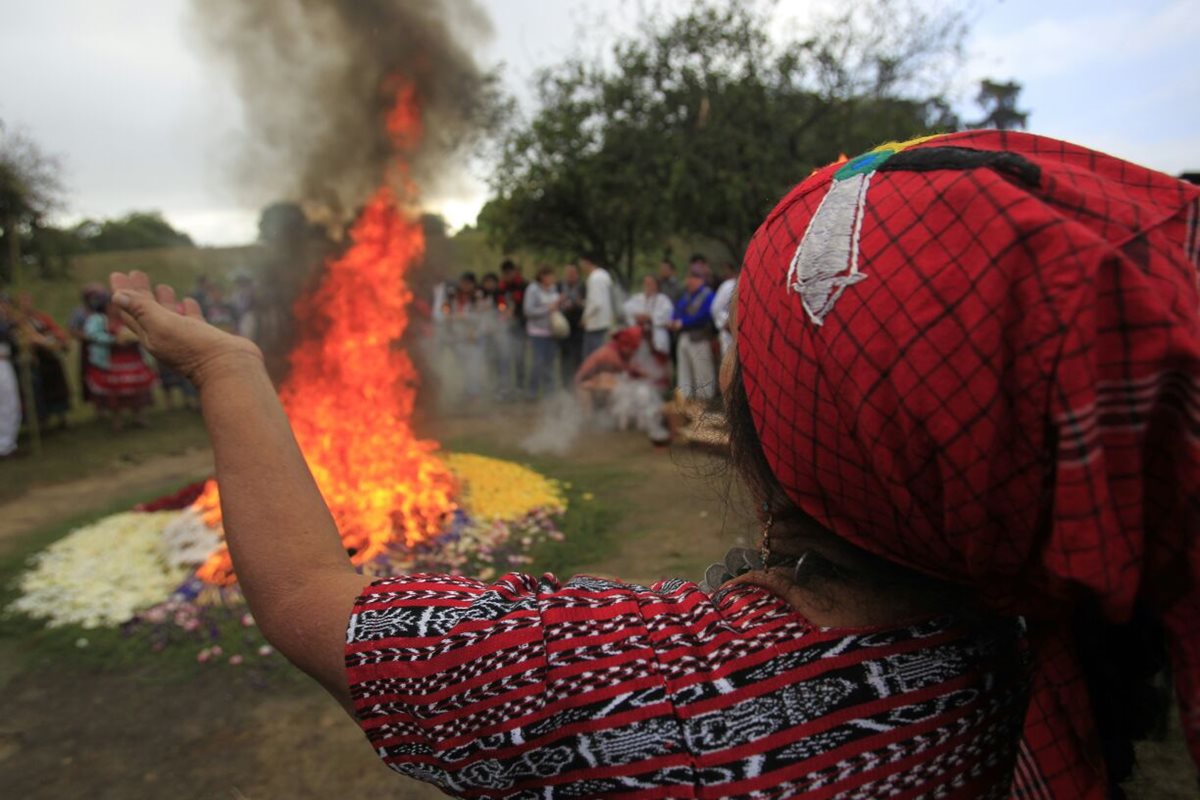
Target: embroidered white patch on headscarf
x,y
826,261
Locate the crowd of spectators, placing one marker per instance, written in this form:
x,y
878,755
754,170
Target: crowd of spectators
x,y
112,372
505,338
575,329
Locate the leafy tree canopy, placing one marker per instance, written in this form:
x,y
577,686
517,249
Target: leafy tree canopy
x,y
701,122
30,188
999,102
137,230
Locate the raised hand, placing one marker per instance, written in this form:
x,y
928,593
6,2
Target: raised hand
x,y
176,334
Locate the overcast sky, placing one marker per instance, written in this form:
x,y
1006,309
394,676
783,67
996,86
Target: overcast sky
x,y
118,91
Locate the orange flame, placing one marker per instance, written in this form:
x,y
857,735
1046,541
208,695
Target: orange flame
x,y
351,390
208,505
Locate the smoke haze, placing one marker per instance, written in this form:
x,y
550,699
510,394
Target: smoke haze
x,y
560,422
315,78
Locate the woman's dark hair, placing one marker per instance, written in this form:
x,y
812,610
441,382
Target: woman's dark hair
x,y
98,302
1124,665
544,270
750,465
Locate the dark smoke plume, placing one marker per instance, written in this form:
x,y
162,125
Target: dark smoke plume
x,y
314,77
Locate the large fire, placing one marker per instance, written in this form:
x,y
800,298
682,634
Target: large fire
x,y
350,391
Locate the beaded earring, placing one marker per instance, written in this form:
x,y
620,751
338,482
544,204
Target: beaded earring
x,y
764,543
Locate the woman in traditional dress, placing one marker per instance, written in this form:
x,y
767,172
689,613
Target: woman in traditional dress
x,y
48,343
965,395
76,321
119,378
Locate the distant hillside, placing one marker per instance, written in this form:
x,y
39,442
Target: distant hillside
x,y
177,266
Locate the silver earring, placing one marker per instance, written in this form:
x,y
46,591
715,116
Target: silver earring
x,y
764,543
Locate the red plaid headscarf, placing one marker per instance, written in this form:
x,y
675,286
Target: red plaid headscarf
x,y
978,355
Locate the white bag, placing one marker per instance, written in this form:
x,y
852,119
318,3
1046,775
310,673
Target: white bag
x,y
559,327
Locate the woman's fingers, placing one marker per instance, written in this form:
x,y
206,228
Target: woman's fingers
x,y
192,309
119,282
140,281
133,297
133,324
166,296
135,282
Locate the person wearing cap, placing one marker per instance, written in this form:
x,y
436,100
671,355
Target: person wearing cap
x,y
695,366
964,398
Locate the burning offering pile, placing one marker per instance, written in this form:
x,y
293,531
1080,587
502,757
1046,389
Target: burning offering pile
x,y
400,505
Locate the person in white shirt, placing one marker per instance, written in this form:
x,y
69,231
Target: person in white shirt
x,y
722,307
598,314
541,300
651,310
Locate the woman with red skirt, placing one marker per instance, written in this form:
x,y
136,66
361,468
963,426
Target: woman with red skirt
x,y
118,376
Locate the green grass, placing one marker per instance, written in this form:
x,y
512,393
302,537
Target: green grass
x,y
177,266
91,448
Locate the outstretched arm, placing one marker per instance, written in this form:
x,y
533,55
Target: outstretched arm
x,y
285,547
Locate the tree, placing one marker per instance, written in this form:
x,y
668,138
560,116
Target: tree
x,y
583,178
999,101
30,188
137,230
704,120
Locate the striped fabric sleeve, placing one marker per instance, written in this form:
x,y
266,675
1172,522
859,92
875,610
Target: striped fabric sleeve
x,y
529,688
492,690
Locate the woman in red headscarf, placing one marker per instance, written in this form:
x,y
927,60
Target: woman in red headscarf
x,y
965,394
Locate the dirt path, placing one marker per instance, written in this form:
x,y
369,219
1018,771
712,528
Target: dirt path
x,y
42,506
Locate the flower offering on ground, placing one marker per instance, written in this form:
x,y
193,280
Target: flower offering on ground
x,y
494,489
151,569
101,574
